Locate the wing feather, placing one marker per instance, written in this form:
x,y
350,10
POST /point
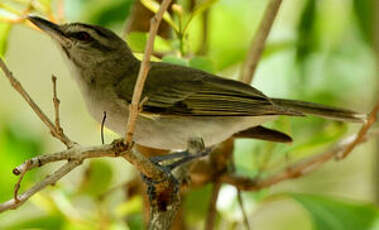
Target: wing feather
x,y
177,90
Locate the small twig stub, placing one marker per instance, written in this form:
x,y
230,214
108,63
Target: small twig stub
x,y
102,127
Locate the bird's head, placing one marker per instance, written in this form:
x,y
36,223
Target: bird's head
x,y
85,45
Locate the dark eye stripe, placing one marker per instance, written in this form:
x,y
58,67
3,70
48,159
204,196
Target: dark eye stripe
x,y
82,36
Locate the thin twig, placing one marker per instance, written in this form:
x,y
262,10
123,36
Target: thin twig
x,y
143,71
18,184
362,132
242,207
18,87
232,169
205,38
102,127
142,103
212,209
259,41
129,20
56,102
295,171
49,180
78,153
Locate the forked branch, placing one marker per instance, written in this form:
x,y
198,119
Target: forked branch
x,y
18,87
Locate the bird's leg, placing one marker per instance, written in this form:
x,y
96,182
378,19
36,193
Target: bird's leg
x,y
189,157
196,149
170,156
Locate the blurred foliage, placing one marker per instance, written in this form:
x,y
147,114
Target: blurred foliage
x,y
4,30
318,51
365,17
97,178
306,42
104,13
16,145
333,214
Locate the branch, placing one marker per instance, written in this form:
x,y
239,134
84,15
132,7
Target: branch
x,y
18,87
18,184
212,210
295,171
243,211
50,180
117,148
162,219
362,132
259,41
143,71
56,103
76,153
74,156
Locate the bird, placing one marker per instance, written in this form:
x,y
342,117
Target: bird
x,y
182,102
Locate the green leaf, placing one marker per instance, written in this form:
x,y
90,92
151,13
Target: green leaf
x,y
364,9
109,12
202,63
154,7
137,42
198,10
4,32
203,6
175,60
306,32
336,214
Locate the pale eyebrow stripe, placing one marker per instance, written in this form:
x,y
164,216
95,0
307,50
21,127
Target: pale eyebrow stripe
x,y
93,27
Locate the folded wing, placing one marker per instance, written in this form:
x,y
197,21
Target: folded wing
x,y
176,90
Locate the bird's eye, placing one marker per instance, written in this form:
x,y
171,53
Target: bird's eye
x,y
82,36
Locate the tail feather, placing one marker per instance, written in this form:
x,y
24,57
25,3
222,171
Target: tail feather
x,y
321,110
262,133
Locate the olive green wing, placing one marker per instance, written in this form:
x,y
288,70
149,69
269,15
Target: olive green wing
x,y
178,90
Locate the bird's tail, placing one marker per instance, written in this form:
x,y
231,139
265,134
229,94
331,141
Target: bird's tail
x,y
321,110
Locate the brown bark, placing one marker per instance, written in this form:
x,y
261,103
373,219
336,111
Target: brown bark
x,y
139,20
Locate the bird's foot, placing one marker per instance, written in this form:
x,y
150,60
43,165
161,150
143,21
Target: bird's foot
x,y
159,190
196,149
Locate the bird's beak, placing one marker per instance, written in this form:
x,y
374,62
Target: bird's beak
x,y
52,29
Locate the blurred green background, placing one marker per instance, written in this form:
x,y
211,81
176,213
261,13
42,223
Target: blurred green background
x,y
318,50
